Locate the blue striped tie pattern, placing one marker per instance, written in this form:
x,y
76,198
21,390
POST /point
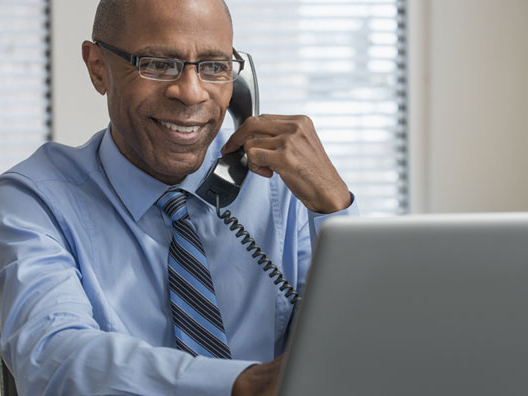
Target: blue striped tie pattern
x,y
198,325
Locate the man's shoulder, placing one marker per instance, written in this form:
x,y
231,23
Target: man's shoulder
x,y
60,163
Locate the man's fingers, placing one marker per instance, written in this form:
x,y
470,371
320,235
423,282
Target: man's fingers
x,y
259,379
261,171
261,158
264,142
239,137
270,125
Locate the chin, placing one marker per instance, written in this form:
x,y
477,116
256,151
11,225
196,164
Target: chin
x,y
179,171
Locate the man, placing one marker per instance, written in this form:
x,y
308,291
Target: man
x,y
88,300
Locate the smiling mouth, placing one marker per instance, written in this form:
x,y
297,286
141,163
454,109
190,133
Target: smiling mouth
x,y
180,128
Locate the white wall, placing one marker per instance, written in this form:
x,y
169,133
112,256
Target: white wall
x,y
468,92
78,110
473,105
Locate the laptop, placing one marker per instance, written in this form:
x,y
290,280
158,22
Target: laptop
x,y
425,305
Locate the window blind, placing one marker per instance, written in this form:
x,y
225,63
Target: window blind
x,y
24,79
341,62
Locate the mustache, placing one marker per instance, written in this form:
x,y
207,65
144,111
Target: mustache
x,y
184,111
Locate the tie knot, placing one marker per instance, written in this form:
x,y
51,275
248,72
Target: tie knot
x,y
174,204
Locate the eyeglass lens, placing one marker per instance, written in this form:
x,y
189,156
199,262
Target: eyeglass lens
x,y
169,70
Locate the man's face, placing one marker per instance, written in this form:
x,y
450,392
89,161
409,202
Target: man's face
x,y
163,127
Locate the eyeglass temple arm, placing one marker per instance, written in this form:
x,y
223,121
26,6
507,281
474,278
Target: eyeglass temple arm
x,y
239,58
133,59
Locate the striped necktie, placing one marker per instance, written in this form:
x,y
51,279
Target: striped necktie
x,y
198,325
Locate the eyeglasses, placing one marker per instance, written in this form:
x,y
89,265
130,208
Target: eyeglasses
x,y
168,69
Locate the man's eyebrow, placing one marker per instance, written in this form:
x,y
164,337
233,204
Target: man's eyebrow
x,y
214,54
170,53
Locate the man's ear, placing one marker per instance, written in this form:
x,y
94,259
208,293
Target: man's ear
x,y
93,58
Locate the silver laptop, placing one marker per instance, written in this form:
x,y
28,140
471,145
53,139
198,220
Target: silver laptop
x,y
414,306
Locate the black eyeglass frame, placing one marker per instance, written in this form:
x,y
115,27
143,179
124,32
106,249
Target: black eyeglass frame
x,y
136,59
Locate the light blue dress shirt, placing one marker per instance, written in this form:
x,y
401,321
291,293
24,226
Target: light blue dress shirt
x,y
83,274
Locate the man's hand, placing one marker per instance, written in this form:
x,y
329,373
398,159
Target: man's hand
x,y
289,145
259,379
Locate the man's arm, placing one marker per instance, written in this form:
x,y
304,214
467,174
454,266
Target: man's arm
x,y
289,146
49,338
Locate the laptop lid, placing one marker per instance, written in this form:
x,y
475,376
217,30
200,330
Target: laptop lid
x,y
413,306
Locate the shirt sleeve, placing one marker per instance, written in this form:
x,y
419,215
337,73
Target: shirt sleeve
x,y
308,233
49,338
315,220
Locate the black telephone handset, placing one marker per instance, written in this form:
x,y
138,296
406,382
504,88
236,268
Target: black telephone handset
x,y
227,174
222,183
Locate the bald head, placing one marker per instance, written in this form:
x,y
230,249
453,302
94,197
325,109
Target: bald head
x,y
111,14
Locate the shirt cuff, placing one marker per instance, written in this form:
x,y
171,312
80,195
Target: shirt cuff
x,y
211,377
316,219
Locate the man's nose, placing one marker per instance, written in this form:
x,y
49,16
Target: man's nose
x,y
189,88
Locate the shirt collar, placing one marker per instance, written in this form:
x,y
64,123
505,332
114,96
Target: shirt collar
x,y
137,190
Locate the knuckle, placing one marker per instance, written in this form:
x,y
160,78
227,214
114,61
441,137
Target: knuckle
x,y
306,122
253,119
250,151
254,162
254,156
286,143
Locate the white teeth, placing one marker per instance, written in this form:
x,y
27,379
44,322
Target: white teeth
x,y
179,128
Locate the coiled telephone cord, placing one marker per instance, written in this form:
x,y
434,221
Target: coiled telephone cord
x,y
234,225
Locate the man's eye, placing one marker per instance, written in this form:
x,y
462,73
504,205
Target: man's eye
x,y
159,66
215,67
